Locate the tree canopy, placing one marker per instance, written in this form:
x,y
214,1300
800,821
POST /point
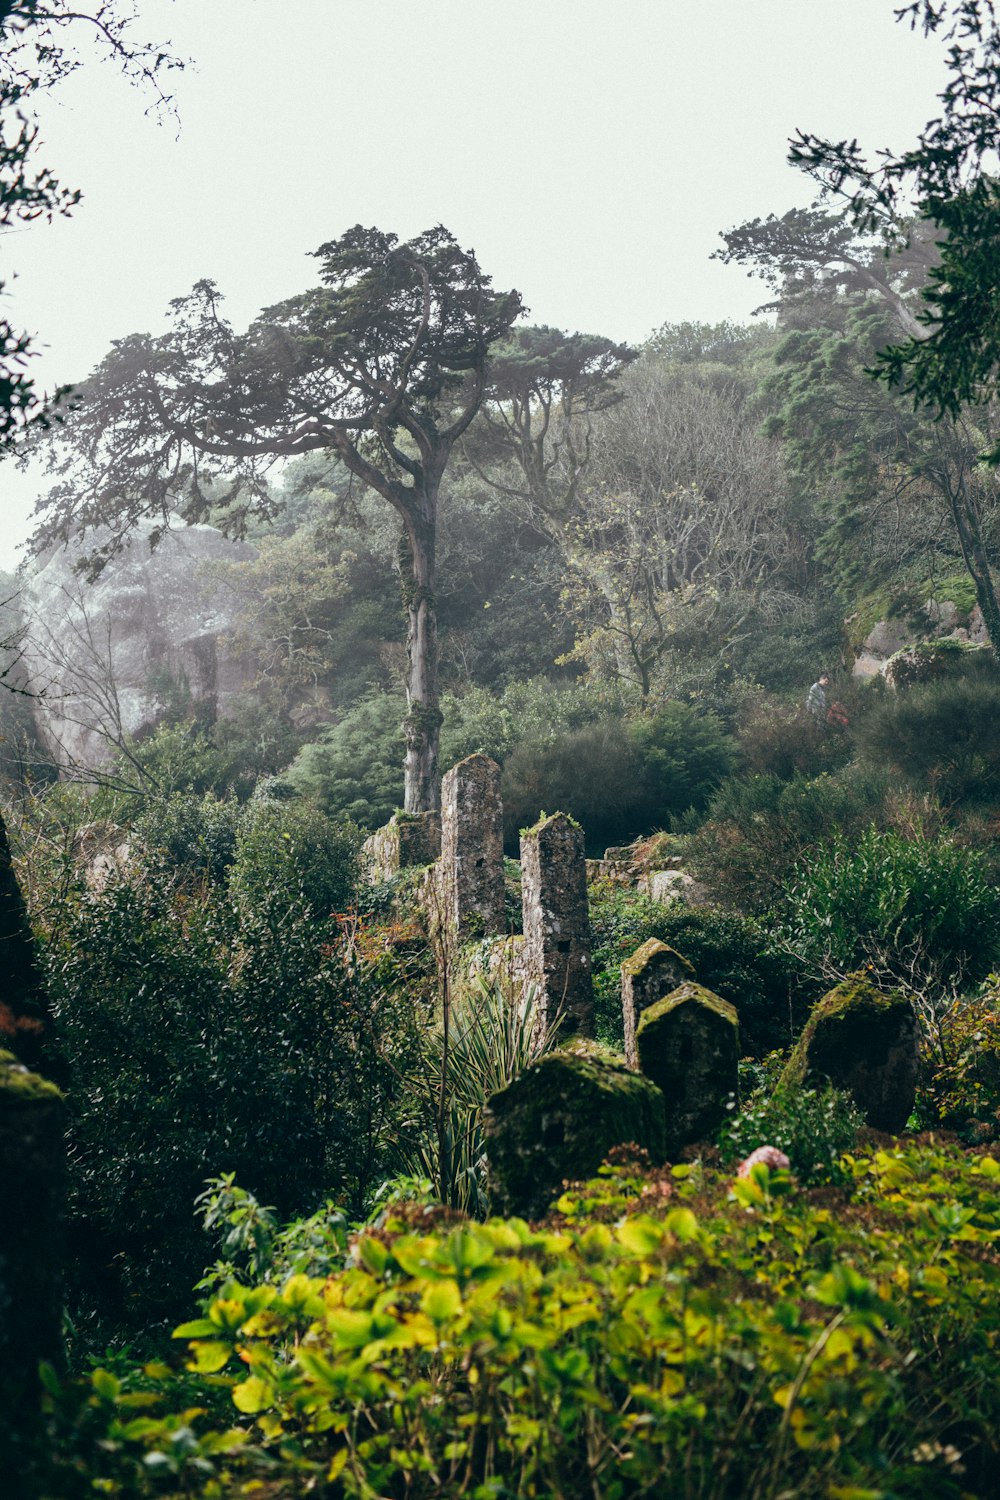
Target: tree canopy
x,y
947,180
384,364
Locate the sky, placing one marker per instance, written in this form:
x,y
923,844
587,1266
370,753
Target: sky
x,y
589,151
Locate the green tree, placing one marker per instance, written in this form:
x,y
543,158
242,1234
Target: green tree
x,y
844,307
384,364
951,356
944,187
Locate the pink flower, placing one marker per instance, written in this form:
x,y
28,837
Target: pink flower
x,y
770,1156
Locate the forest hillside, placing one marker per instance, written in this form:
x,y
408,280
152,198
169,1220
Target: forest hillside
x,y
499,877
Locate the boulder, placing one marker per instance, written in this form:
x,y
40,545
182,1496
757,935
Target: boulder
x,y
654,971
929,661
863,1040
559,1119
673,885
689,1045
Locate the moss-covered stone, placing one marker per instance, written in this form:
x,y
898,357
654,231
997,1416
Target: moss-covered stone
x,y
556,924
864,1040
407,841
18,1085
688,1044
651,973
559,1119
32,1190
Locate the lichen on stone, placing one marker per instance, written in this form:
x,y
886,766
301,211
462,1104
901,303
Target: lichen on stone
x,y
18,1085
651,950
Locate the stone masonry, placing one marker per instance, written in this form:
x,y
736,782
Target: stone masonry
x,y
688,1044
471,871
556,923
407,840
652,973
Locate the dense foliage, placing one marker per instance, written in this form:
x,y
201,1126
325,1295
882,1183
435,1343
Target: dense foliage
x,y
669,1331
251,1047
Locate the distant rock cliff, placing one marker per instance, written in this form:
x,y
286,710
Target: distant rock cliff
x,y
107,657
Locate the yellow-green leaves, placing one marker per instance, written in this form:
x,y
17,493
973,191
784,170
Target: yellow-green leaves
x,y
635,1337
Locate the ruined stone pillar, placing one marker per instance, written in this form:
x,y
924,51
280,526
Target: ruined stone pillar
x,y
652,973
557,924
471,879
408,840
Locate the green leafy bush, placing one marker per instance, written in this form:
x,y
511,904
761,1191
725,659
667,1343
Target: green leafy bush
x,y
354,769
813,1127
759,827
590,773
676,1334
943,736
911,906
618,779
777,740
215,1029
960,1082
289,854
540,709
184,834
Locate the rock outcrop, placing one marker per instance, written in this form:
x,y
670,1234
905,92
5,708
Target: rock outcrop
x,y
934,620
106,657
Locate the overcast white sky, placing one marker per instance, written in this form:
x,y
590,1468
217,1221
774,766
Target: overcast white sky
x,y
590,151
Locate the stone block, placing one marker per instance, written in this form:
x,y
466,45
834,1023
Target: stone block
x,y
654,971
673,885
863,1040
557,923
689,1045
557,1122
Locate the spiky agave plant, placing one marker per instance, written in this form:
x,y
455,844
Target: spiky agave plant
x,y
492,1036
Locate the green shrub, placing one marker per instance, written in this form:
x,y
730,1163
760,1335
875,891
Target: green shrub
x,y
539,710
776,740
760,827
184,834
942,736
959,1086
618,779
354,769
732,956
289,854
911,906
813,1127
591,774
205,1035
685,754
671,1334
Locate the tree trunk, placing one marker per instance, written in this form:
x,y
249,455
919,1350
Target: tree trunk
x,y
977,562
422,725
